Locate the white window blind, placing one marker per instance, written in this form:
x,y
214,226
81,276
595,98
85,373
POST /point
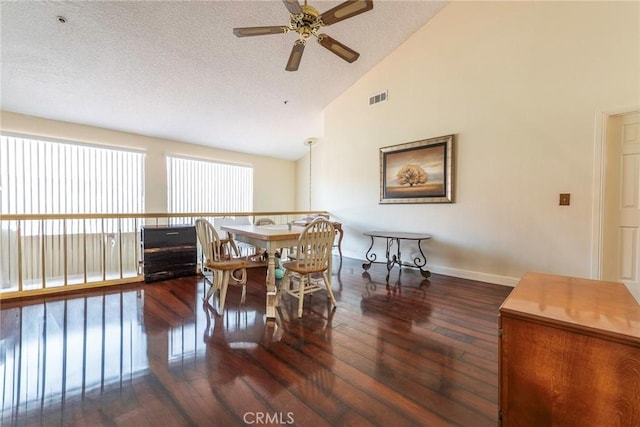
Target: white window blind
x,y
40,176
208,186
53,177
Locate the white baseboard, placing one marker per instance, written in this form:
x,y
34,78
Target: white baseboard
x,y
474,275
467,274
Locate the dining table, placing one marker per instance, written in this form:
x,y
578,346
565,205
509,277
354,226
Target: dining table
x,y
270,237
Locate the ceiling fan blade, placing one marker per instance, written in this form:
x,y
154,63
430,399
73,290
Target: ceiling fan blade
x,y
346,10
338,48
296,55
293,6
259,31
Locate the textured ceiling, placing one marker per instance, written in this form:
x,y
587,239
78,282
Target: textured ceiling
x,y
174,69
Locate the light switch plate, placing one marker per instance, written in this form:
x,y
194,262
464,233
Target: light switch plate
x,y
565,199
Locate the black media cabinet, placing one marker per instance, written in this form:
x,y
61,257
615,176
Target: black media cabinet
x,y
168,251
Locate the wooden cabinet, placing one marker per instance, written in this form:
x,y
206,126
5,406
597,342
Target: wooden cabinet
x,y
569,353
168,251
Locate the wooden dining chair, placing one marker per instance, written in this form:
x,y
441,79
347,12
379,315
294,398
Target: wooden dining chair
x,y
222,260
314,252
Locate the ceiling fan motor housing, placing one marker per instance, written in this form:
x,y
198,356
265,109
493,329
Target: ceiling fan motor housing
x,y
307,23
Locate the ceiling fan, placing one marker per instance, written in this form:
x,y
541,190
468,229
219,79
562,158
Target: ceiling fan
x,y
307,21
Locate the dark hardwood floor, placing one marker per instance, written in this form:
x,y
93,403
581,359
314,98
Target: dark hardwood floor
x,y
419,353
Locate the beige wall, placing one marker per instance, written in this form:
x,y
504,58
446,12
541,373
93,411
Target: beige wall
x,y
520,84
273,179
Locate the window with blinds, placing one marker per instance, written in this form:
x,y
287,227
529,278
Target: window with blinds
x,y
207,186
57,177
40,176
51,177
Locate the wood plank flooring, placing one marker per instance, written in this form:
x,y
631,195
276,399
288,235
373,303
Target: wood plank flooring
x,y
413,353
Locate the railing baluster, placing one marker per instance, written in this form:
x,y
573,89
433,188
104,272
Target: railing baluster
x,y
19,237
137,243
43,254
64,251
84,250
104,251
120,246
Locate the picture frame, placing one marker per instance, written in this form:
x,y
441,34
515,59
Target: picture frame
x,y
418,172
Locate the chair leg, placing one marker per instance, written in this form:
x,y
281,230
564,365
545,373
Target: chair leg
x,y
223,289
328,286
301,294
215,284
208,275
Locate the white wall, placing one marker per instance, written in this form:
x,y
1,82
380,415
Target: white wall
x,y
273,179
520,85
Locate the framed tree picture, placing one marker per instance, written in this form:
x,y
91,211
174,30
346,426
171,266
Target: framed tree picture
x,y
418,172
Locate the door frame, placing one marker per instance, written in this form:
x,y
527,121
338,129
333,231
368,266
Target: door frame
x,y
599,160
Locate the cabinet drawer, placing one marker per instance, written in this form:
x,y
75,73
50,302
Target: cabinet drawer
x,y
166,258
158,237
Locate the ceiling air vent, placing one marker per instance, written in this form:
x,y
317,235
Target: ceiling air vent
x,y
379,97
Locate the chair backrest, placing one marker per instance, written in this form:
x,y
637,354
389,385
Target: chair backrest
x,y
315,244
209,240
312,217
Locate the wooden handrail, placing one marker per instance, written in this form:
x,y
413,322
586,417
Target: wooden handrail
x,y
33,217
38,261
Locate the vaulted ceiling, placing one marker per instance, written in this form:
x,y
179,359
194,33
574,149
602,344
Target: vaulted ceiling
x,y
174,69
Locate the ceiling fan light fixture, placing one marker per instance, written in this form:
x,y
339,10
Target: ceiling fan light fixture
x,y
307,21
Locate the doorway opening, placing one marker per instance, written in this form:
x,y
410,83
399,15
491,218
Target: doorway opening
x,y
618,215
